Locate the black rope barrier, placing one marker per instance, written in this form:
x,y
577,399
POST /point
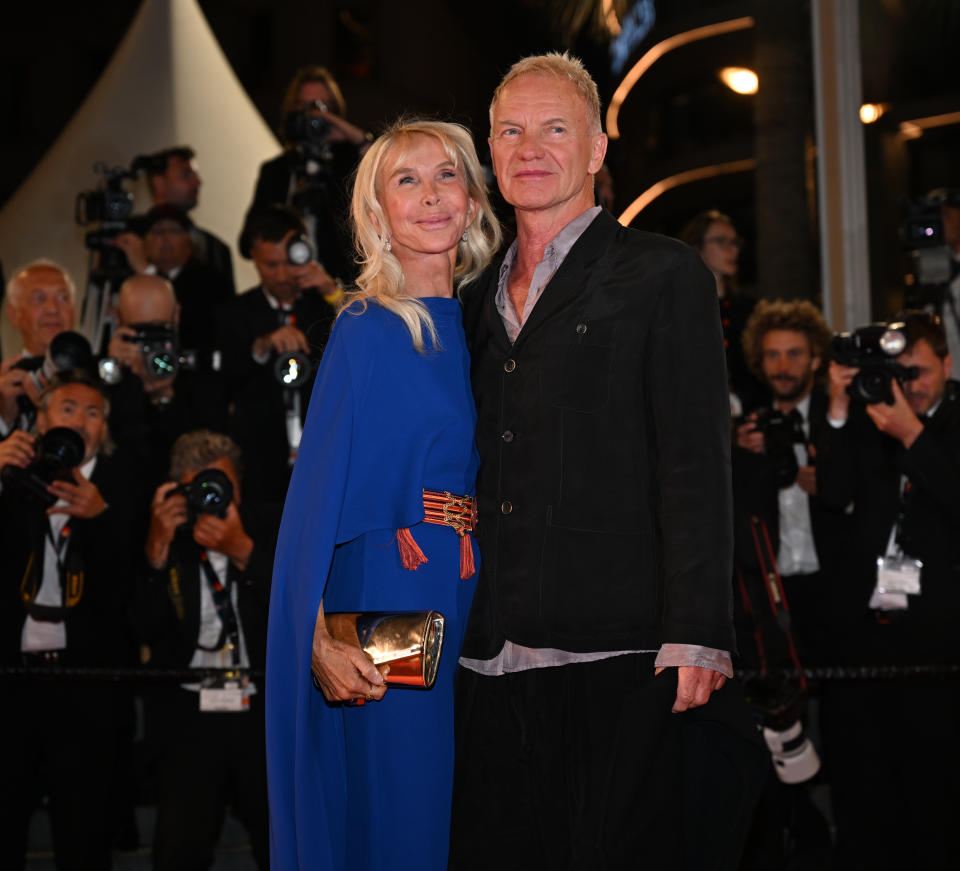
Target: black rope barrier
x,y
191,675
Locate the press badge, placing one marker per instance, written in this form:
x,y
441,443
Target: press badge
x,y
221,695
898,574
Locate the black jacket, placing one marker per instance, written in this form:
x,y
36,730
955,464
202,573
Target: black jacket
x,y
103,549
258,410
167,603
604,436
859,465
755,492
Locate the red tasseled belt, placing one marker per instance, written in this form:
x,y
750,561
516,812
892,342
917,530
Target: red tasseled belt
x,y
459,512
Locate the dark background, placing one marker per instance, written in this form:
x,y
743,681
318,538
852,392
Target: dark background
x,y
444,57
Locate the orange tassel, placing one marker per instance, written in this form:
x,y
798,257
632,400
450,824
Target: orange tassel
x,y
411,557
467,568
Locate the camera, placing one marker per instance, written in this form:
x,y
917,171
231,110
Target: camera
x,y
59,451
109,204
780,434
309,133
299,251
162,356
292,369
67,351
922,235
210,492
778,702
874,350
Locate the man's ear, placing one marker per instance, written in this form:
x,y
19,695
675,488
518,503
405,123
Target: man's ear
x,y
599,153
13,315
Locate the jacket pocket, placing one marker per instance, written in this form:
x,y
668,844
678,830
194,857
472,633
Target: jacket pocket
x,y
598,586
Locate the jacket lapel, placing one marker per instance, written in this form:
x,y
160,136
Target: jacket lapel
x,y
572,277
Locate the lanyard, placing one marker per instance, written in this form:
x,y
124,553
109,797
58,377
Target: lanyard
x,y
229,631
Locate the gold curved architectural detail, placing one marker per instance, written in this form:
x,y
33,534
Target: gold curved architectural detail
x,y
685,177
658,51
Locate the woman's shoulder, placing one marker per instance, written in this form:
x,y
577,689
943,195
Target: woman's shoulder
x,y
364,318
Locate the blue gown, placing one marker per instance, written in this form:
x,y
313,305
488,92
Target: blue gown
x,y
369,787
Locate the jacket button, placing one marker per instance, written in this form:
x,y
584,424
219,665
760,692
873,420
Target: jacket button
x,y
510,365
507,436
506,507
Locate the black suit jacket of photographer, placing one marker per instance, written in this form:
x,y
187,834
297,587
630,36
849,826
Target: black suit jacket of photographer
x,y
258,413
604,436
166,608
859,465
106,548
755,492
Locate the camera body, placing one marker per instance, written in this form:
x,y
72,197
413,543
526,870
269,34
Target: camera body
x,y
162,356
779,437
210,492
873,350
309,134
59,451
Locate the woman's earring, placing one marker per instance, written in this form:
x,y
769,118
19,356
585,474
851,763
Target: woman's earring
x,y
386,244
464,237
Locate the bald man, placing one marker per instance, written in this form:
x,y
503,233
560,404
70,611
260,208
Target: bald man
x,y
40,304
148,412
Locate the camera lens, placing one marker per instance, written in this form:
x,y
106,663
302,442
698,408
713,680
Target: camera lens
x,y
161,364
293,369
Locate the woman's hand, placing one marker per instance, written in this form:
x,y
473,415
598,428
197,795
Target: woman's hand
x,y
344,672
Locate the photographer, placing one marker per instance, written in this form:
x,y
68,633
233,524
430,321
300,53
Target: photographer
x,y
890,455
69,515
166,248
202,603
40,305
321,150
785,345
286,318
174,180
155,398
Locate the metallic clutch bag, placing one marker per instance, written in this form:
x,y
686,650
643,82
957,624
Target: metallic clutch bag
x,y
408,641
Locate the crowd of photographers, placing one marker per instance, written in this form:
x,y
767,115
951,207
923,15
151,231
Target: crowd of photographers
x,y
143,475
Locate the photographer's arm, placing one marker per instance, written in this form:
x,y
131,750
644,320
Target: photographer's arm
x,y
835,468
166,514
82,499
931,463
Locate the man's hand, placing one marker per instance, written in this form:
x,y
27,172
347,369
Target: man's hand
x,y
898,420
749,437
226,535
132,246
282,340
81,499
807,479
17,449
312,274
344,672
840,378
166,515
127,352
694,685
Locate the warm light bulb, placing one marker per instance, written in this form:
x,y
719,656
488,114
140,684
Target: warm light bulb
x,y
741,80
870,112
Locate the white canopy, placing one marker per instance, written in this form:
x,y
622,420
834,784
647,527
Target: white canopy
x,y
167,84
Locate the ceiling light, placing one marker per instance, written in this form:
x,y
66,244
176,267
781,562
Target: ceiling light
x,y
739,79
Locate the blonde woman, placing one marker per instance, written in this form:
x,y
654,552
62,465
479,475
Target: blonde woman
x,y
360,777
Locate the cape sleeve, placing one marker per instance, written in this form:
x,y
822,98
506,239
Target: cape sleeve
x,y
305,547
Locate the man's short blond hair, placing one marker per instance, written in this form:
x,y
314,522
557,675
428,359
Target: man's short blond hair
x,y
559,65
15,286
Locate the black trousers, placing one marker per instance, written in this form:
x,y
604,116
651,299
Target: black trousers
x,y
585,767
205,762
59,739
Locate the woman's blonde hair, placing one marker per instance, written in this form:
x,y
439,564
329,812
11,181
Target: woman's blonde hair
x,y
381,276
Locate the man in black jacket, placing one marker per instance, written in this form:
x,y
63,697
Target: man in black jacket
x,y
894,749
774,472
604,497
202,603
66,578
285,315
